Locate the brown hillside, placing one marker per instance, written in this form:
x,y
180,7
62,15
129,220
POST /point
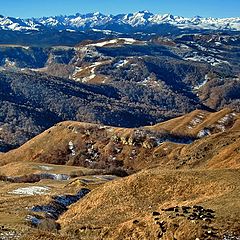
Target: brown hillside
x,y
186,186
96,146
194,122
217,151
135,207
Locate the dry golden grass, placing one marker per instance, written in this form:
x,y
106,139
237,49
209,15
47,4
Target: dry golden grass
x,y
25,168
43,235
181,124
110,210
49,146
88,70
15,208
99,79
205,172
219,150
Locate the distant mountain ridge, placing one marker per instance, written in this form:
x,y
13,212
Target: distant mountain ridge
x,y
139,21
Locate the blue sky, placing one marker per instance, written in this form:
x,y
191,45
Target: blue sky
x,y
187,8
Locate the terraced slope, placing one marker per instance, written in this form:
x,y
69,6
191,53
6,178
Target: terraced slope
x,y
201,123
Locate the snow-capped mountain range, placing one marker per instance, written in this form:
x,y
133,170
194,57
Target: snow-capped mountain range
x,y
133,21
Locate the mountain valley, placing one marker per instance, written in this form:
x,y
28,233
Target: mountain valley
x,y
119,127
140,82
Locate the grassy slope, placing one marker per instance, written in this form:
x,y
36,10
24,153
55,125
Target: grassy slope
x,y
52,146
111,209
122,209
182,124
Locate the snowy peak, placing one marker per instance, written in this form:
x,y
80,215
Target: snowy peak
x,y
138,18
132,20
17,24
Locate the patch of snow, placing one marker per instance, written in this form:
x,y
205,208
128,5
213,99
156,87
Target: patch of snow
x,y
196,57
201,115
203,133
88,161
184,46
25,47
58,177
45,168
86,79
67,200
195,121
70,145
92,69
32,190
107,32
225,119
200,85
9,63
127,41
110,129
105,177
70,30
221,127
34,220
229,237
102,44
201,47
149,82
121,63
71,148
